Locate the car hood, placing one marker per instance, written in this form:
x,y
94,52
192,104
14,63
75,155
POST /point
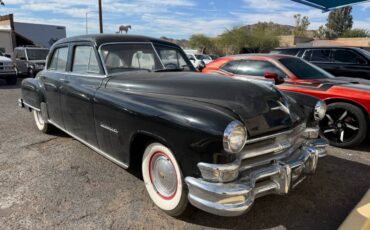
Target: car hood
x,y
260,106
5,59
345,82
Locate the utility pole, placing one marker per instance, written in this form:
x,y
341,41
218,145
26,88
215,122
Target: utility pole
x,y
100,17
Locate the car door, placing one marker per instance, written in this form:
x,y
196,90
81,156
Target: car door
x,y
52,78
350,64
84,77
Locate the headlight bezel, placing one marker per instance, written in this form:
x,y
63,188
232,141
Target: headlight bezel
x,y
230,130
320,110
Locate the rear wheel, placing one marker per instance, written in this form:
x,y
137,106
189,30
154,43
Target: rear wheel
x,y
163,180
41,124
344,125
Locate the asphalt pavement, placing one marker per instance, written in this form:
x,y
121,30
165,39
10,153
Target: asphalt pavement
x,y
55,182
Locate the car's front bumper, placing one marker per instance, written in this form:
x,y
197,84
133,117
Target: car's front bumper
x,y
278,177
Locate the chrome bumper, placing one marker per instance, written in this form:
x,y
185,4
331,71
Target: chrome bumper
x,y
236,197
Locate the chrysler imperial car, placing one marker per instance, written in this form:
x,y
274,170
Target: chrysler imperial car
x,y
139,102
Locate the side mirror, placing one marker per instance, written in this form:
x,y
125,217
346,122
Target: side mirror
x,y
201,66
277,79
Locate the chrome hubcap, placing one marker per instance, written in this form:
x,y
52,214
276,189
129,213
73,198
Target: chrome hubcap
x,y
163,175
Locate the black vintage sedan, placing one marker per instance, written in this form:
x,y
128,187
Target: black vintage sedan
x,y
215,142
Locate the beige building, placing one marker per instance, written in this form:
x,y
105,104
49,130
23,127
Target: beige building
x,y
293,41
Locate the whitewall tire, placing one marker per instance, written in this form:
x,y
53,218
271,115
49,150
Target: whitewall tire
x,y
41,125
163,179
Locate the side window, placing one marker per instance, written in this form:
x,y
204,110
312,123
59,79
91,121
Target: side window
x,y
307,55
84,60
231,67
347,56
59,59
258,68
54,61
62,59
142,60
320,55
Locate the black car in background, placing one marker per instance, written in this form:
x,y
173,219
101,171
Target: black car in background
x,y
339,61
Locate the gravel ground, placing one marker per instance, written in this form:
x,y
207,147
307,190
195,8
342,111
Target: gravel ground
x,y
55,182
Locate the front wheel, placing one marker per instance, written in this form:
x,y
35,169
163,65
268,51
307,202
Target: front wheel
x,y
344,125
41,124
163,180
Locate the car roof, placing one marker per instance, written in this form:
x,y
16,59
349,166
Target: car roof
x,y
99,39
321,47
258,55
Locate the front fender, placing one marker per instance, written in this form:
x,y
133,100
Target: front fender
x,y
32,92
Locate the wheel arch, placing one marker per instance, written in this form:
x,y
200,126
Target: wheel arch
x,y
334,100
138,142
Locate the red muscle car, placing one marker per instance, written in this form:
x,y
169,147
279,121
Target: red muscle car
x,y
347,121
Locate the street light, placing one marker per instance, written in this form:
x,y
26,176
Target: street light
x,y
87,13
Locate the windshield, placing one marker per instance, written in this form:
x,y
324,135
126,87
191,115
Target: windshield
x,y
304,70
124,57
202,57
365,52
37,54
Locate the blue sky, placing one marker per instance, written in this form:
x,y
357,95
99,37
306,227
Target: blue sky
x,y
171,18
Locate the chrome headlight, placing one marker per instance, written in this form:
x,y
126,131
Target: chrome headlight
x,y
235,136
320,110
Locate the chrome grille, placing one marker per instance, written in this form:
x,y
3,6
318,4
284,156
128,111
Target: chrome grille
x,y
264,150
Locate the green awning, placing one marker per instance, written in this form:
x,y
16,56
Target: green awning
x,y
327,5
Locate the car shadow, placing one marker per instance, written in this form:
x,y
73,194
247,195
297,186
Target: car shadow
x,y
3,84
321,202
365,147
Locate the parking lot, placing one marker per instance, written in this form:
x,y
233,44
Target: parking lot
x,y
53,181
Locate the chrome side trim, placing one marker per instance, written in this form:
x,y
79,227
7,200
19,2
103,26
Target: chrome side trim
x,y
104,154
23,104
113,130
298,128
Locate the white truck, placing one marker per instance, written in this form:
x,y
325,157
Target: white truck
x,y
7,71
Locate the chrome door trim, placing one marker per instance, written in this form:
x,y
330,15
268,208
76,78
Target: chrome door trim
x,y
102,153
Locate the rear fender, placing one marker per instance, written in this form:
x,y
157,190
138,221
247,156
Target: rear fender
x,y
32,92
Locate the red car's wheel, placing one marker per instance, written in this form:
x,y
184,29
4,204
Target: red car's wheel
x,y
345,125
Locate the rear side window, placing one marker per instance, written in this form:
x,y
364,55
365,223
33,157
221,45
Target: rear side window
x,y
231,67
85,61
320,55
347,56
258,68
59,59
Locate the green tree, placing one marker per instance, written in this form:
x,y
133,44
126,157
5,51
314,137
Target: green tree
x,y
201,42
356,33
301,25
340,21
